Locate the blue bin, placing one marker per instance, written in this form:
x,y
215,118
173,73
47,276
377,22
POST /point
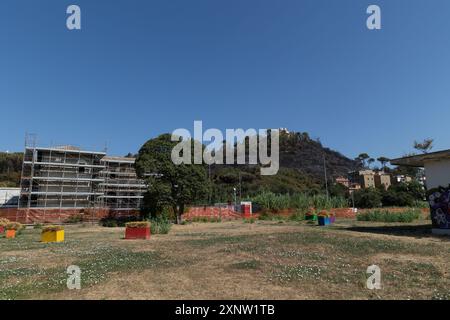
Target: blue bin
x,y
324,221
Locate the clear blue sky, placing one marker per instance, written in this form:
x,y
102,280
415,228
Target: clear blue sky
x,y
143,67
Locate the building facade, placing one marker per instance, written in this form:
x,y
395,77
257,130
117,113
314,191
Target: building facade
x,y
437,172
370,179
60,182
121,189
60,178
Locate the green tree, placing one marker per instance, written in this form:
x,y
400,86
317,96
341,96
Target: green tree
x,y
363,158
368,198
383,161
168,184
338,190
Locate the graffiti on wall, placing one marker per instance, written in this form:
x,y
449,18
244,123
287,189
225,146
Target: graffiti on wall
x,y
439,200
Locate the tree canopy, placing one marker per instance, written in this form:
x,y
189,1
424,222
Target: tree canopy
x,y
169,184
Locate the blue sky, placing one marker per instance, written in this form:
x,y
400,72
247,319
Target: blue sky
x,y
143,67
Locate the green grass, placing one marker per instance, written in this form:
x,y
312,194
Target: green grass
x,y
94,270
331,260
386,216
158,226
96,259
267,216
206,219
247,265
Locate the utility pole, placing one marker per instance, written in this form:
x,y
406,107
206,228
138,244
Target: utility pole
x,y
240,186
210,185
325,173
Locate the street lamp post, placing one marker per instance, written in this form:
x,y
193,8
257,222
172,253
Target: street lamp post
x,y
235,200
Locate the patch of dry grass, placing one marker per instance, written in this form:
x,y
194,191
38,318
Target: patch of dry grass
x,y
231,260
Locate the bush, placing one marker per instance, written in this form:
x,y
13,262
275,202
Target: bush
x,y
75,218
393,198
250,220
160,225
421,204
52,228
276,202
367,198
109,223
137,224
299,215
4,222
387,216
14,226
413,188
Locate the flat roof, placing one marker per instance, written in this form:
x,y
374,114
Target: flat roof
x,y
118,159
64,149
420,159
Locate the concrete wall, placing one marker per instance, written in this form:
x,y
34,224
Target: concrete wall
x,y
437,173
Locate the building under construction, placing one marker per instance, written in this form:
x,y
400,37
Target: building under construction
x,y
60,182
121,189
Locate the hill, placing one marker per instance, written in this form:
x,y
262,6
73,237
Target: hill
x,y
10,169
301,170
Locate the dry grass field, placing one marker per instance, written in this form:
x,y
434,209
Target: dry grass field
x,y
231,260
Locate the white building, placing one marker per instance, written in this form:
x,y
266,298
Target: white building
x,y
9,197
437,172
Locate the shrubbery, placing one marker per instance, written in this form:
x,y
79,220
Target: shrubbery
x,y
275,202
160,225
75,218
4,222
137,224
52,228
14,226
388,216
411,194
367,198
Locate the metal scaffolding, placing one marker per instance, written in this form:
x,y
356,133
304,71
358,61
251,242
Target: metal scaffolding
x,y
66,177
121,188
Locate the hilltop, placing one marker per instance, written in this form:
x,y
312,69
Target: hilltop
x,y
301,169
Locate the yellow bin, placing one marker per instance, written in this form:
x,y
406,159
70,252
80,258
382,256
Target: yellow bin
x,y
52,236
